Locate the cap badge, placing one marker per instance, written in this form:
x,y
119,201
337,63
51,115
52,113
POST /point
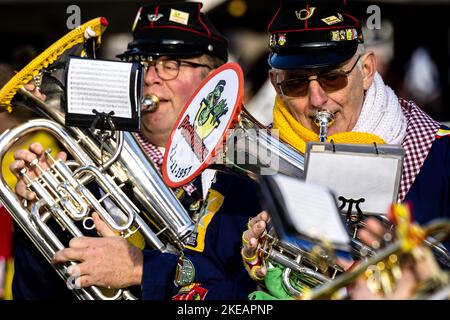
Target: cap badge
x,y
331,20
344,35
282,39
155,17
305,14
273,40
335,36
179,16
352,34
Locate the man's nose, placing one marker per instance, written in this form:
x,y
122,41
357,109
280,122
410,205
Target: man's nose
x,y
317,96
151,76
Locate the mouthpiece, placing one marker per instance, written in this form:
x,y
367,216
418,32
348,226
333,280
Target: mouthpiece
x,y
323,119
149,103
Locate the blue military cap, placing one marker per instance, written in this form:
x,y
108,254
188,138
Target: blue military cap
x,y
312,34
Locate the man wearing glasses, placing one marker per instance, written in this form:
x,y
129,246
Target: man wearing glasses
x,y
319,63
178,47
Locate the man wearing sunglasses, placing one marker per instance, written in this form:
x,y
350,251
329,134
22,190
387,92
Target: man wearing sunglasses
x,y
319,63
178,47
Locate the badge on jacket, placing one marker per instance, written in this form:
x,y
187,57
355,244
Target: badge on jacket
x,y
185,272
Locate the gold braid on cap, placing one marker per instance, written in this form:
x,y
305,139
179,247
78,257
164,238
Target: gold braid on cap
x,y
90,29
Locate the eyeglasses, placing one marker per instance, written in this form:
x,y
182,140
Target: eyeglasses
x,y
168,69
329,81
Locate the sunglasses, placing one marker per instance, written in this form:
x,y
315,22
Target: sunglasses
x,y
329,81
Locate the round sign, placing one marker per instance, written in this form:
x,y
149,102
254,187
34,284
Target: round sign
x,y
203,124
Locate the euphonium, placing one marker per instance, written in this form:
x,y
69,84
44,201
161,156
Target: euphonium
x,y
147,207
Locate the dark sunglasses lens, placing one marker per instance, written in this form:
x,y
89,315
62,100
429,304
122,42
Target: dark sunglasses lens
x,y
295,87
333,81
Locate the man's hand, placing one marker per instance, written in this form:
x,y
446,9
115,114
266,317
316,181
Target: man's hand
x,y
109,261
413,271
37,93
22,159
250,239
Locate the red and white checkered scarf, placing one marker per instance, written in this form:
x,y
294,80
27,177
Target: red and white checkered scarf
x,y
420,135
398,121
157,157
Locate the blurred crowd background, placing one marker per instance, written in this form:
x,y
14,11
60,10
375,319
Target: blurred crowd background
x,y
412,45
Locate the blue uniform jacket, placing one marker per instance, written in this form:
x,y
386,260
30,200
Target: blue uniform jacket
x,y
214,248
219,268
430,192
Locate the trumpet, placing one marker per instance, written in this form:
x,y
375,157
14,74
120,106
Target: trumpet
x,y
388,257
127,178
301,267
252,150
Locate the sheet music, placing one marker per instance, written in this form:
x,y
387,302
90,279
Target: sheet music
x,y
100,85
356,176
312,210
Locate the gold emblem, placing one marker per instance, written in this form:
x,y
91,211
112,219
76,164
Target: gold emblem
x,y
331,20
282,39
273,40
179,16
351,34
305,14
335,36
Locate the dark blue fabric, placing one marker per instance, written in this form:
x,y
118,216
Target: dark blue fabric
x,y
34,278
430,192
219,268
158,275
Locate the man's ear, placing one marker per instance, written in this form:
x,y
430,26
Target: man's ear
x,y
369,68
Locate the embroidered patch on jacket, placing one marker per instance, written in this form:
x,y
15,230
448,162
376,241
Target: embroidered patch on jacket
x,y
185,272
212,204
191,292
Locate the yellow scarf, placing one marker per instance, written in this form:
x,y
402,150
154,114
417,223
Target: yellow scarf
x,y
297,135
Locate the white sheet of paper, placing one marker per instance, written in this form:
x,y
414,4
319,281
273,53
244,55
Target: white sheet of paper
x,y
356,176
312,209
100,85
